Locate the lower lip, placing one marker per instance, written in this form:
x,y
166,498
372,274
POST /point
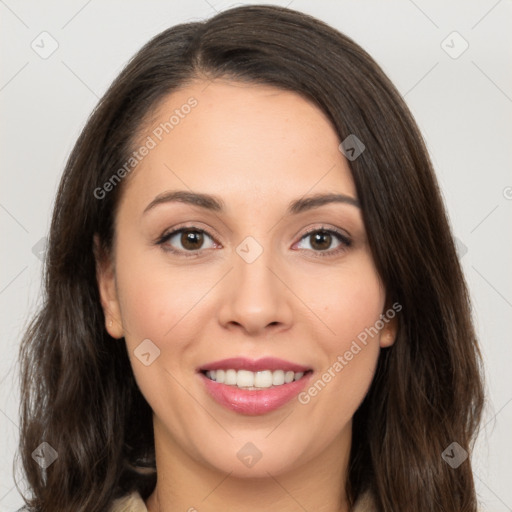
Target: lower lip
x,y
254,402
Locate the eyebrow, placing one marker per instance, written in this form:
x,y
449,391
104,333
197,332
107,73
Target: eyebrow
x,y
216,204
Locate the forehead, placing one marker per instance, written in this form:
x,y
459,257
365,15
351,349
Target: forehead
x,y
239,141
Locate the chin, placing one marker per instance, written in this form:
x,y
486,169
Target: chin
x,y
255,460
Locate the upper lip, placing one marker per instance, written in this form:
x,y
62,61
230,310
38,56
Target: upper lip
x,y
254,365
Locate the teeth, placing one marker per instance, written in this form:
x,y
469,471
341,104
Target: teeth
x,y
278,377
246,379
263,379
230,377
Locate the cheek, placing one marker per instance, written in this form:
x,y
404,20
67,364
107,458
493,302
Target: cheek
x,y
161,304
350,305
155,297
349,300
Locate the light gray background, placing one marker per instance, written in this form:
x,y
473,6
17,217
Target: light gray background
x,y
463,106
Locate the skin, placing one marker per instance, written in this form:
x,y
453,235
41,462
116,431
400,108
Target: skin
x,y
257,148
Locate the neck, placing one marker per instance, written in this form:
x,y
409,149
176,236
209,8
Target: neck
x,y
184,484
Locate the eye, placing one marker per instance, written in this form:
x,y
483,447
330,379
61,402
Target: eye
x,y
321,241
190,241
186,240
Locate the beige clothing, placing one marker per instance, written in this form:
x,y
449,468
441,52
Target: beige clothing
x,y
134,503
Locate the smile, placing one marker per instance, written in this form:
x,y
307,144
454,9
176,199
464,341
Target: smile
x,y
253,387
245,379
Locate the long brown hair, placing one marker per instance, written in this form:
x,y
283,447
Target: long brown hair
x,y
78,390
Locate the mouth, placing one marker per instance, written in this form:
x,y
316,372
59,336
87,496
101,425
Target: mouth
x,y
254,387
246,379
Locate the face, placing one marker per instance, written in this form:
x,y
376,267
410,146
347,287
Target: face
x,y
245,275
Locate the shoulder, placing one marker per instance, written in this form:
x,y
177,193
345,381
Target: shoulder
x,y
132,502
365,503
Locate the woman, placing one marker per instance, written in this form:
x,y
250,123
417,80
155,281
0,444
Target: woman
x,y
253,299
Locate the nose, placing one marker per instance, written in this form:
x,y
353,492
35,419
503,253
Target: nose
x,y
255,297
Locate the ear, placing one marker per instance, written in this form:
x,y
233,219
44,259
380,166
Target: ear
x,y
106,279
389,331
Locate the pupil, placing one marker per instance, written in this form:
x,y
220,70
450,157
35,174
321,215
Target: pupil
x,y
317,240
191,239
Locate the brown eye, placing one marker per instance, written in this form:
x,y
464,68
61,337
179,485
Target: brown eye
x,y
321,241
186,240
191,240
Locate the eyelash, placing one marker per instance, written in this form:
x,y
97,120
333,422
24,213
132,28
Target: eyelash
x,y
343,239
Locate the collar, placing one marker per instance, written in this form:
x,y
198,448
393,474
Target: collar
x,y
133,502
